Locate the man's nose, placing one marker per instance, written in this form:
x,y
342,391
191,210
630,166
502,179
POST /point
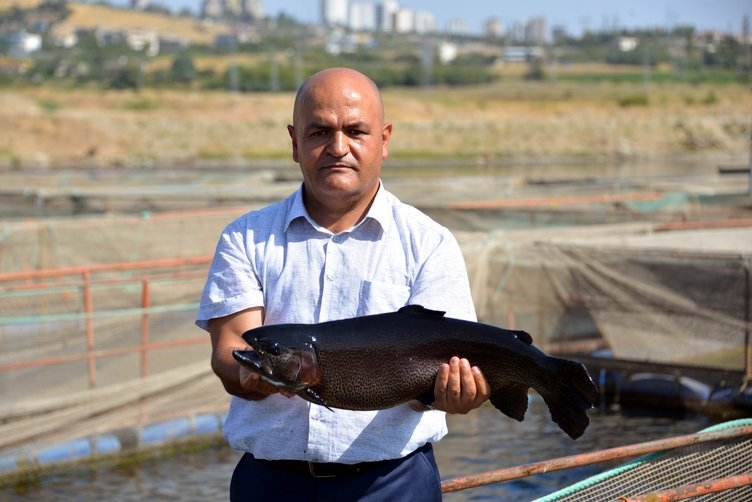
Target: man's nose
x,y
338,145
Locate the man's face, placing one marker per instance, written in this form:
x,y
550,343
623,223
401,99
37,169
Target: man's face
x,y
339,140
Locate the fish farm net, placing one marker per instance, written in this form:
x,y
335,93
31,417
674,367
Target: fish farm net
x,y
709,464
99,355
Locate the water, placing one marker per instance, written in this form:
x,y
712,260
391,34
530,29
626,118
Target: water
x,y
480,441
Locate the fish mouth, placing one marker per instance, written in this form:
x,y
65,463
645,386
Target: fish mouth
x,y
259,362
251,360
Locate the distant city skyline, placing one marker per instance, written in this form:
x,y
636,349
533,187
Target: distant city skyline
x,y
575,15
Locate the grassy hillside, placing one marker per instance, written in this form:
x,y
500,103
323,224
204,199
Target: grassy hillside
x,y
502,122
90,16
21,4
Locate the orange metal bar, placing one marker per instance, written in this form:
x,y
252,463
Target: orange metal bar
x,y
85,273
556,464
104,267
51,361
145,301
91,362
565,200
699,225
45,285
511,318
747,336
694,490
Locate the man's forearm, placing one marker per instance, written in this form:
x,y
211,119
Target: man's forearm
x,y
229,372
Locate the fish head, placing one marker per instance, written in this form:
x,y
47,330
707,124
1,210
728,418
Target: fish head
x,y
287,363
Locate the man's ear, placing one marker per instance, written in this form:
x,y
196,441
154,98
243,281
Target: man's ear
x,y
291,132
386,134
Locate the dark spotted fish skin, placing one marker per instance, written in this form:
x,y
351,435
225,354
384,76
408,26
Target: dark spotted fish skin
x,y
379,361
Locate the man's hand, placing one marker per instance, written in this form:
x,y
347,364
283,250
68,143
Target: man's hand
x,y
459,387
227,335
256,388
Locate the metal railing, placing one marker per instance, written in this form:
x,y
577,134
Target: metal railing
x,y
36,286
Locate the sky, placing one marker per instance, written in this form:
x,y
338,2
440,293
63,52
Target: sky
x,y
574,15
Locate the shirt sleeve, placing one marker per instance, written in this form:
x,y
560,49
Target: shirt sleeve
x,y
232,284
442,282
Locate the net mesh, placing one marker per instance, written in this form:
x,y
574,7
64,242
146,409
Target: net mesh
x,y
649,303
698,463
104,358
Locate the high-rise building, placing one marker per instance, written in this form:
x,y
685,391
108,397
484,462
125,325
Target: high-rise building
x,y
334,12
217,9
254,9
457,26
535,30
385,14
232,8
493,28
362,15
404,20
212,8
425,22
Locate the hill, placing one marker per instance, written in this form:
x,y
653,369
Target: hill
x,y
50,127
21,4
112,18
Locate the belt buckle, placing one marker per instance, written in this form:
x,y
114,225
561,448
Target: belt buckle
x,y
312,471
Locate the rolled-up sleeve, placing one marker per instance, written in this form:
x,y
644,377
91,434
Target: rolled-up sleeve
x,y
232,284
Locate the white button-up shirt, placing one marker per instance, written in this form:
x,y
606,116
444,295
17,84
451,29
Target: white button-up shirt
x,y
279,258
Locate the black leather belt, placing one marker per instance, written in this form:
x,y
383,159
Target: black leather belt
x,y
321,470
332,470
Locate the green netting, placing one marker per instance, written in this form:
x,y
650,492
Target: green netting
x,y
669,469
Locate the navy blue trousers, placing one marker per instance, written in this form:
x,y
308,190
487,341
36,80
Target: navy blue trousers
x,y
414,478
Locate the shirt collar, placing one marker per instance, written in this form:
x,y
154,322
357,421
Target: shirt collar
x,y
379,210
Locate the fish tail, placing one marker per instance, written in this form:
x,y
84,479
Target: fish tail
x,y
570,396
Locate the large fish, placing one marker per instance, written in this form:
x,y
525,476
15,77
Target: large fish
x,y
379,361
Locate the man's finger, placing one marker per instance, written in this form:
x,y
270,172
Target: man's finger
x,y
483,388
468,382
454,384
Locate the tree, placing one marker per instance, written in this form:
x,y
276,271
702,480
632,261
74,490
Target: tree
x,y
183,71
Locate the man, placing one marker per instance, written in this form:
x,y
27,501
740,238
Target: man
x,y
339,247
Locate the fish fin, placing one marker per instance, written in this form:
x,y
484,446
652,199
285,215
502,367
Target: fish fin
x,y
427,397
420,309
569,400
523,336
311,395
511,400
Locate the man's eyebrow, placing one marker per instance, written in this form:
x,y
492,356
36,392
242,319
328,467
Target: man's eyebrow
x,y
318,124
322,124
358,124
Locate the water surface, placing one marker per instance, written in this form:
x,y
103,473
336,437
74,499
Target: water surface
x,y
480,441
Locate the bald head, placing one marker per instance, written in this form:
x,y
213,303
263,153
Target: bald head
x,y
333,80
340,139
